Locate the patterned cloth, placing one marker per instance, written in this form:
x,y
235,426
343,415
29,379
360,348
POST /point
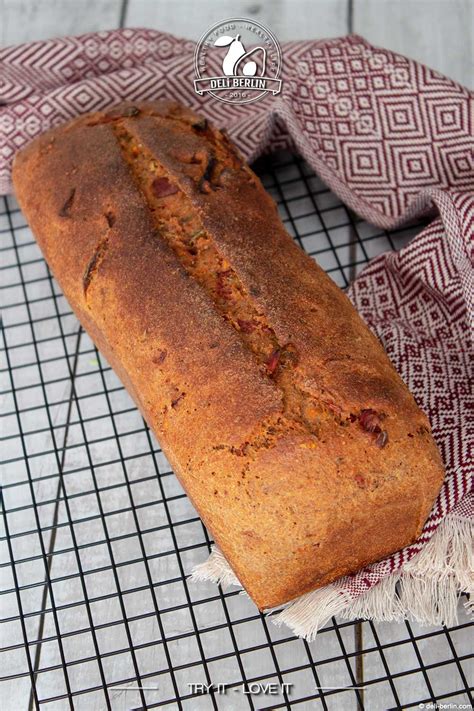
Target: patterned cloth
x,y
391,137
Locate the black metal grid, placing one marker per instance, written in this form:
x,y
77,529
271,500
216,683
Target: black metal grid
x,y
99,538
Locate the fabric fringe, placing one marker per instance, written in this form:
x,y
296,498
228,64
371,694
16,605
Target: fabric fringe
x,y
216,570
426,590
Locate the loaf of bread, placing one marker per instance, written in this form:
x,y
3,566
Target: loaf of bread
x,y
296,440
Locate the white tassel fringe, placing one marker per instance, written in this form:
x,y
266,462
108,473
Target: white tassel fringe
x,y
426,590
216,569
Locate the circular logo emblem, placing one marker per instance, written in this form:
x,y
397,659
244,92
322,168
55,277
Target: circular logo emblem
x,y
237,61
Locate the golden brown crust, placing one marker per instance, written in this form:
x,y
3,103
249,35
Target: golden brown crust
x,y
290,430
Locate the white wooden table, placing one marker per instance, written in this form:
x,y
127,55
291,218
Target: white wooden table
x,y
436,32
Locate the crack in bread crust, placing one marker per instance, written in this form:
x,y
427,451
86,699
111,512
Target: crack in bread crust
x,y
179,223
94,263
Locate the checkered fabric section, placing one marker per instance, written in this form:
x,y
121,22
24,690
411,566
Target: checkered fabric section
x,y
391,137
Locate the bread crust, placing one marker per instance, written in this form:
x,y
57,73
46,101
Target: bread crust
x,y
294,500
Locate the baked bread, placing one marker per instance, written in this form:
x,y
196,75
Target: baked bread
x,y
298,443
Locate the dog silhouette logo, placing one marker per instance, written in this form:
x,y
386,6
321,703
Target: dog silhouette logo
x,y
230,72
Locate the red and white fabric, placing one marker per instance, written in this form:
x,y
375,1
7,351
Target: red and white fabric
x,y
391,137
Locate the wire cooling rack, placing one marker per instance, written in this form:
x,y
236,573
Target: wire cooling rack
x,y
99,537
